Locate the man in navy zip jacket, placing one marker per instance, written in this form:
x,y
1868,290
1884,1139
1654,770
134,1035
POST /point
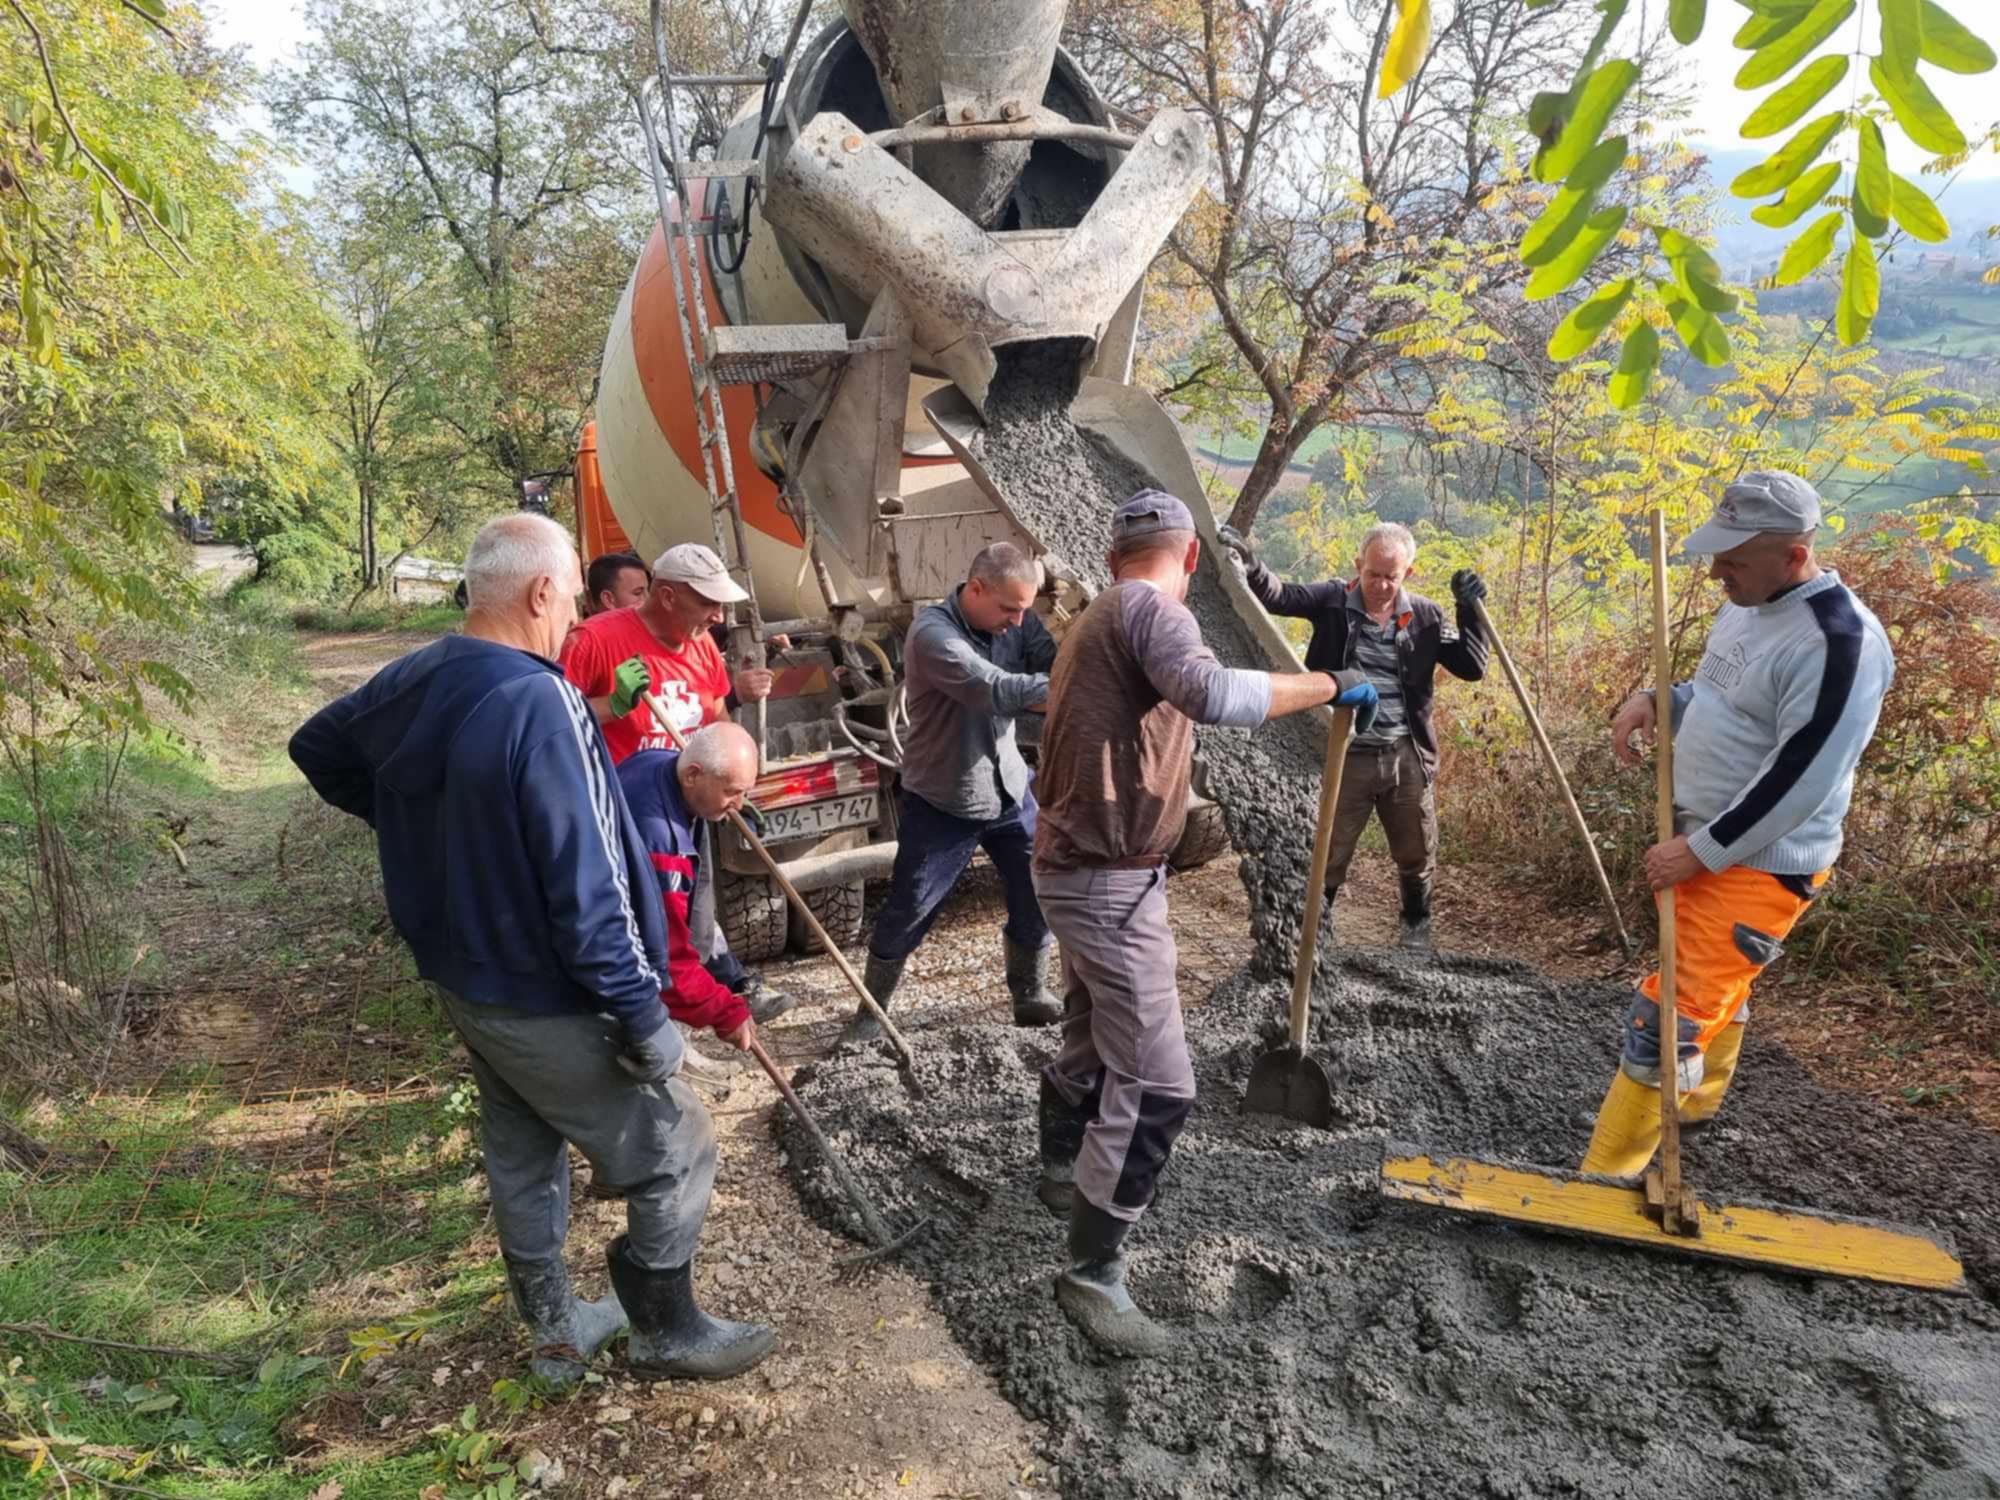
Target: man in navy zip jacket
x,y
513,870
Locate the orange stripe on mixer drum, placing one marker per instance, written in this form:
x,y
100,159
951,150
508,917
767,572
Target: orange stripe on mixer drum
x,y
663,373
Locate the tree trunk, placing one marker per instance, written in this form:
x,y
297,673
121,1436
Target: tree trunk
x,y
1274,456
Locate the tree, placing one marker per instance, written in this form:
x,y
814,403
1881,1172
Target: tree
x,y
1803,53
409,413
153,345
1326,198
460,117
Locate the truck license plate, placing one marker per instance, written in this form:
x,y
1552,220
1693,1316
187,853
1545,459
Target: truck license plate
x,y
815,818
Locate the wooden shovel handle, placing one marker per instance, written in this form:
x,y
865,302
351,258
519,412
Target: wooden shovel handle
x,y
1555,769
1670,1026
1337,736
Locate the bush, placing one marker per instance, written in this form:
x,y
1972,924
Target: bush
x,y
1914,899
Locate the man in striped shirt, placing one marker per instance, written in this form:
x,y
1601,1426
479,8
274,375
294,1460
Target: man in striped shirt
x,y
1399,639
1767,735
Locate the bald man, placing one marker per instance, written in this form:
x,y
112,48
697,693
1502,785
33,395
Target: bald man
x,y
512,869
671,793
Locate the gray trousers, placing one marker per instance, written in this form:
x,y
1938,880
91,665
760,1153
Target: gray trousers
x,y
1391,784
549,1082
1123,1067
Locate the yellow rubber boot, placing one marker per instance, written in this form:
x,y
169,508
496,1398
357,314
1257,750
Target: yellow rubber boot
x,y
1706,1100
1627,1131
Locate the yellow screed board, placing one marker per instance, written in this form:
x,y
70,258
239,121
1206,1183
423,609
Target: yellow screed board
x,y
1779,1238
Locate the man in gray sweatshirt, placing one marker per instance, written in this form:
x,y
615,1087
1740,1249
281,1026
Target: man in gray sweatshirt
x,y
1766,738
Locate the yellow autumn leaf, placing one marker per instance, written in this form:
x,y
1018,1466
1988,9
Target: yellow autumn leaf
x,y
1407,45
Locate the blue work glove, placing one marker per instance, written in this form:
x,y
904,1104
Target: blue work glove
x,y
1467,588
647,1060
1354,690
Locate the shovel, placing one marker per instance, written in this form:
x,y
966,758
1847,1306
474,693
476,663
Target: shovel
x,y
1285,1081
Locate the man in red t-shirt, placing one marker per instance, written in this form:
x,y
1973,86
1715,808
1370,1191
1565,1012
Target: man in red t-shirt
x,y
662,645
667,634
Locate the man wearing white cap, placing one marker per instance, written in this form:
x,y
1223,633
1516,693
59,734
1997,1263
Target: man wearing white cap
x,y
1766,738
662,645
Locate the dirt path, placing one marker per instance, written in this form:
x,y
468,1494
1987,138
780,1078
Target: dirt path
x,y
869,1395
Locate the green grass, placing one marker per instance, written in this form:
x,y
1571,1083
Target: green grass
x,y
428,618
185,1220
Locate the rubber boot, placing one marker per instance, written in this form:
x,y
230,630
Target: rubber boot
x,y
1415,933
672,1339
1627,1132
766,1004
567,1332
1027,982
1061,1132
1701,1106
881,975
1092,1291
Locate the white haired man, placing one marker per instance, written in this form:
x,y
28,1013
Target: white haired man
x,y
1399,639
512,869
1767,735
671,794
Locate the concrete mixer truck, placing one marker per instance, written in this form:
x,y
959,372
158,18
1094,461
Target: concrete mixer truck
x,y
799,368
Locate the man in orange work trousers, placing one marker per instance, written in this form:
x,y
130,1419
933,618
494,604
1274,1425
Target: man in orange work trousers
x,y
1766,739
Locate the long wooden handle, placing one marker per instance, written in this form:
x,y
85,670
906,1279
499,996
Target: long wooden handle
x,y
1555,770
813,925
1337,736
1670,1027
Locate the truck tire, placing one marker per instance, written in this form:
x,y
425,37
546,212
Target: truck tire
x,y
751,910
1205,837
838,908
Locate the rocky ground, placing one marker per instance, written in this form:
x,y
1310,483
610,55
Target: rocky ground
x,y
1331,1344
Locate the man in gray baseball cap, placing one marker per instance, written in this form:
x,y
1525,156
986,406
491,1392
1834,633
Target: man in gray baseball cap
x,y
1767,734
1764,502
1130,681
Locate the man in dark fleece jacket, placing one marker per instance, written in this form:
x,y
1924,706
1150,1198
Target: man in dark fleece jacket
x,y
514,872
1399,639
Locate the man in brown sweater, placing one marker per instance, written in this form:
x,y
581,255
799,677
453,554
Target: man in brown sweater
x,y
1129,684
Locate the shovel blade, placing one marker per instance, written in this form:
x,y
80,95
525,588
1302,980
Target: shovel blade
x,y
1287,1082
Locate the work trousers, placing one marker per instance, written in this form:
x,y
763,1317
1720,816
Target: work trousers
x,y
1123,1066
547,1082
932,850
1729,926
1389,783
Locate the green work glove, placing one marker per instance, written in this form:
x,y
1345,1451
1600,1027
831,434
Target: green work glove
x,y
628,681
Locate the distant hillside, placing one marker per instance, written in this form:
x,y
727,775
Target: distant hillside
x,y
1972,205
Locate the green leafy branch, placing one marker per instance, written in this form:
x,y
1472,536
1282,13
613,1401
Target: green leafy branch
x,y
121,189
1681,286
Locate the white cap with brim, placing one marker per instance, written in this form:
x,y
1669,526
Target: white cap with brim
x,y
701,570
1760,502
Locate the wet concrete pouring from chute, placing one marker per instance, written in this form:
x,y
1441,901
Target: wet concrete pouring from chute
x,y
1332,1344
